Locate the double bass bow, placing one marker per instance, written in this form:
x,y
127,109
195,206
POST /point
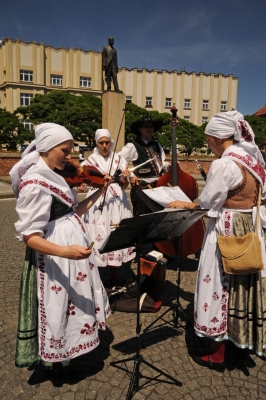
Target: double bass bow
x,y
191,239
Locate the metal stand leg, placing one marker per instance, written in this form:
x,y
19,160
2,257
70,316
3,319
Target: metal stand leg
x,y
176,307
134,385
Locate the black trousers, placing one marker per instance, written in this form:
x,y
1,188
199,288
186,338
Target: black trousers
x,y
111,73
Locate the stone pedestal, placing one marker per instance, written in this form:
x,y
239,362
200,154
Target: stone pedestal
x,y
113,104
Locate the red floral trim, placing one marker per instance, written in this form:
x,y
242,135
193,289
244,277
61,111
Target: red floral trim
x,y
57,344
215,331
80,222
227,224
71,308
53,189
88,330
56,289
43,324
249,161
81,277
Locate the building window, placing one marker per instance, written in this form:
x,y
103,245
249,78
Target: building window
x,y
148,101
27,124
26,76
25,99
223,105
186,118
128,99
168,102
83,81
205,104
56,80
204,120
187,103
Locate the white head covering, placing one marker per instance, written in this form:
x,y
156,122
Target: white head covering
x,y
48,135
102,133
231,123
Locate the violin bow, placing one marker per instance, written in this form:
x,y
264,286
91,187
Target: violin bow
x,y
112,160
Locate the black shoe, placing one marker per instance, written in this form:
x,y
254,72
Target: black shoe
x,y
209,363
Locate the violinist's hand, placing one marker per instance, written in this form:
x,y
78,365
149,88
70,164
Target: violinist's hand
x,y
134,180
75,252
81,188
107,180
181,205
125,173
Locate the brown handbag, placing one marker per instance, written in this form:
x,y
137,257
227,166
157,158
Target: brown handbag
x,y
242,255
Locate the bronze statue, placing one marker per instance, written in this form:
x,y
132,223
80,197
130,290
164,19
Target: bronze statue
x,y
110,66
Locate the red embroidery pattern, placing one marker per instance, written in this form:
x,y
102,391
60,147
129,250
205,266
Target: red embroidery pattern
x,y
215,296
56,289
97,309
53,189
249,161
91,265
99,238
101,325
81,277
55,356
71,308
57,344
205,307
114,192
207,279
227,224
111,256
72,351
222,327
80,222
43,323
245,132
88,330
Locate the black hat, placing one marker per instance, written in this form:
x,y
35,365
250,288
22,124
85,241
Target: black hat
x,y
134,127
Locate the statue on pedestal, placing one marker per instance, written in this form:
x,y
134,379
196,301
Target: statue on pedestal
x,y
109,64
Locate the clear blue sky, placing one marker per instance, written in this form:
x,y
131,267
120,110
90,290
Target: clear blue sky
x,y
216,36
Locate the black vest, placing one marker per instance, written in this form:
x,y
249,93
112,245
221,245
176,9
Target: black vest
x,y
149,170
58,209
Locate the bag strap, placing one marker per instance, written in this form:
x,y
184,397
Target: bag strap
x,y
258,210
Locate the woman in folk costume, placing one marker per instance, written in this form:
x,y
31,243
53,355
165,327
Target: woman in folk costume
x,y
116,205
62,300
230,307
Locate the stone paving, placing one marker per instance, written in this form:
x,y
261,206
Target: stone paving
x,y
168,349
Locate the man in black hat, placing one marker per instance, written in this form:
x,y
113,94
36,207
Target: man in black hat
x,y
142,149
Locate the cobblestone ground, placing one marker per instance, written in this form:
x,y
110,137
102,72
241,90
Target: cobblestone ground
x,y
169,349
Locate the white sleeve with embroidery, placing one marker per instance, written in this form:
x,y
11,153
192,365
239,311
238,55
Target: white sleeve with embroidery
x,y
224,175
33,209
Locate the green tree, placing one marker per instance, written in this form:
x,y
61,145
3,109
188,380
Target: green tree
x,y
190,136
258,124
81,115
12,131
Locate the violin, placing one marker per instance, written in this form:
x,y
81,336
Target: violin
x,y
88,174
191,239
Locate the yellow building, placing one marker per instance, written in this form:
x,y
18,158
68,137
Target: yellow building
x,y
28,68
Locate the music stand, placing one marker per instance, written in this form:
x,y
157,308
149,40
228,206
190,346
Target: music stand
x,y
155,207
137,232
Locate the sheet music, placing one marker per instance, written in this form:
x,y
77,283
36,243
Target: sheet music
x,y
163,195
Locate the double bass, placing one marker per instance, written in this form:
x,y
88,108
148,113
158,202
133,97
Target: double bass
x,y
191,239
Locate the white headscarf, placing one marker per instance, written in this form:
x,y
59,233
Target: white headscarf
x,y
103,133
231,123
47,136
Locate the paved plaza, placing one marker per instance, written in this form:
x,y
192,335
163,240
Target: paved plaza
x,y
168,349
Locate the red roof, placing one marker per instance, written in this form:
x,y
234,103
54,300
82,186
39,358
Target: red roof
x,y
261,112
